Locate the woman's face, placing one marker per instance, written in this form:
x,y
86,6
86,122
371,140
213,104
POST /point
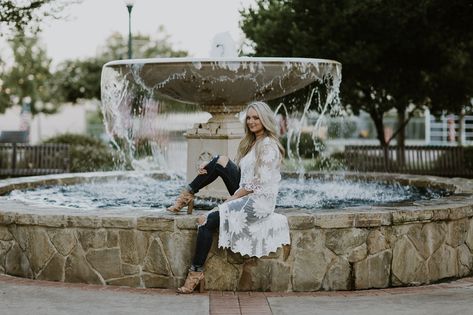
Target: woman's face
x,y
253,122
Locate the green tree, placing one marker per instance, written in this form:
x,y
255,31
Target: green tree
x,y
27,15
28,77
452,29
395,54
143,46
76,79
4,90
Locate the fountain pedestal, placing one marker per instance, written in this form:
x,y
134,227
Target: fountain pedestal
x,y
219,136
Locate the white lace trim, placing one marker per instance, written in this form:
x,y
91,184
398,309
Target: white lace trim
x,y
248,252
252,187
248,225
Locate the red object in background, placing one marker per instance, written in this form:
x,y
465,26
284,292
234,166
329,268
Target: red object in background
x,y
451,129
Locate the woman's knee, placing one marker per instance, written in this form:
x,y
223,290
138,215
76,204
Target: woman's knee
x,y
223,160
201,220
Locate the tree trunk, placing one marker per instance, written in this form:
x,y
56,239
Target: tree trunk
x,y
401,138
379,125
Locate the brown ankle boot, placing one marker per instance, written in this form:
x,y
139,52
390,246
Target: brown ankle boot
x,y
185,198
193,279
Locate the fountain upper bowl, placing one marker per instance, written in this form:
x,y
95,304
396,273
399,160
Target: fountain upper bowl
x,y
224,81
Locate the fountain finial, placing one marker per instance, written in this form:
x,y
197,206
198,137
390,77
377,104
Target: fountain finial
x,y
224,46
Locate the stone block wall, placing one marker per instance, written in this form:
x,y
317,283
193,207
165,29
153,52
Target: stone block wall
x,y
327,251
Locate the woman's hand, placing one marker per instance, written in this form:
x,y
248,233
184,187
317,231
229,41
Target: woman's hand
x,y
238,194
201,170
231,198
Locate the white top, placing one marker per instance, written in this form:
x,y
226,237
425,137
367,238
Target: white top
x,y
248,225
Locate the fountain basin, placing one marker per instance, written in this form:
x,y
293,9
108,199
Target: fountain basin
x,y
340,249
140,191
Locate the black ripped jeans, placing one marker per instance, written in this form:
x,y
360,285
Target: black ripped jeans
x,y
230,175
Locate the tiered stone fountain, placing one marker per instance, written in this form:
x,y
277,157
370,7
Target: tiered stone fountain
x,y
339,249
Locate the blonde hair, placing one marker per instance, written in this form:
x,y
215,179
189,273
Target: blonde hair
x,y
267,118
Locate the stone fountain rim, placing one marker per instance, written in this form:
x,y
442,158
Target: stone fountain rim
x,y
453,207
181,60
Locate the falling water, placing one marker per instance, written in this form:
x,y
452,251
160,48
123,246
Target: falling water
x,y
138,99
141,127
322,101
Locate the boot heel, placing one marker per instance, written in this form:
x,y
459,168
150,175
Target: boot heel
x,y
185,198
202,285
190,207
194,279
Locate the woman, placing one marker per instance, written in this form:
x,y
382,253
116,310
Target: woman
x,y
246,220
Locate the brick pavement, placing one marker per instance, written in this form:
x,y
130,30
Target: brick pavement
x,y
240,303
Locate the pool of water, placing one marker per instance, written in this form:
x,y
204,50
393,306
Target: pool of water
x,y
323,194
149,193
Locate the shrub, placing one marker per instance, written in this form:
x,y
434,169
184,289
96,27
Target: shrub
x,y
320,163
339,156
76,139
308,148
86,153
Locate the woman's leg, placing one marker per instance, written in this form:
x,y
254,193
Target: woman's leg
x,y
218,166
229,172
204,240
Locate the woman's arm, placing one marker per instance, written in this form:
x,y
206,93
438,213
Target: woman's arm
x,y
264,174
241,192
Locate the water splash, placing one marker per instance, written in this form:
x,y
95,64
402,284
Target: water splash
x,y
144,192
322,102
138,97
223,46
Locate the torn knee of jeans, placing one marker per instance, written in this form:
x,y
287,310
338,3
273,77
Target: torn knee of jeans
x,y
202,220
223,160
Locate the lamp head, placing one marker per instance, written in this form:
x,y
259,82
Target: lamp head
x,y
129,4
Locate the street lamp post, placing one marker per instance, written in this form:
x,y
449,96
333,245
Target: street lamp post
x,y
129,6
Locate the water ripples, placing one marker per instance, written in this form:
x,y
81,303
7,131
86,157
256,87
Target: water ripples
x,y
150,193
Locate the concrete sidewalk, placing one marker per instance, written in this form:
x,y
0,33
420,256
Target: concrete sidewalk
x,y
23,296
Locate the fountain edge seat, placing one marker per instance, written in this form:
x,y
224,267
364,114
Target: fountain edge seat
x,y
376,248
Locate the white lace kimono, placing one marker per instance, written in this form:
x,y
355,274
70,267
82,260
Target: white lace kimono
x,y
248,225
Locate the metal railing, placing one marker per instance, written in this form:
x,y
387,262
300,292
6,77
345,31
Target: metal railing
x,y
18,159
422,160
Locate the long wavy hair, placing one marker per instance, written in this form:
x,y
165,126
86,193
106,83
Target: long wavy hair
x,y
266,116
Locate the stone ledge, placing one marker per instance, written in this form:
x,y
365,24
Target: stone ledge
x,y
348,220
119,222
361,218
297,221
156,223
187,222
300,221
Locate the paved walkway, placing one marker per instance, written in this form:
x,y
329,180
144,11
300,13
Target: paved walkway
x,y
23,296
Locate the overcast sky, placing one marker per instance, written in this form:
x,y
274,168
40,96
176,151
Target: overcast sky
x,y
191,24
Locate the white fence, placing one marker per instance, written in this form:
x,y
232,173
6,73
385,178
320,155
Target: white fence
x,y
448,129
